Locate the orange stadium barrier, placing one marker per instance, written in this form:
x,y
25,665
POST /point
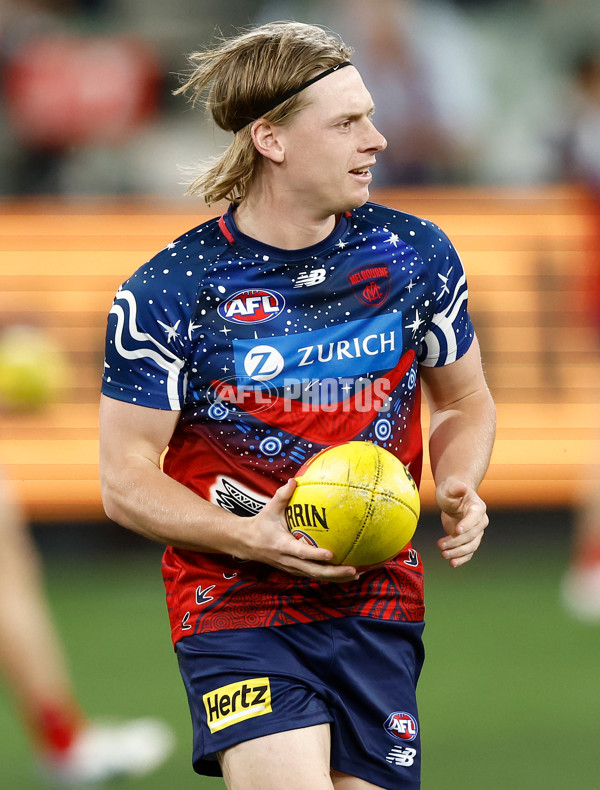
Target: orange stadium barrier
x,y
525,256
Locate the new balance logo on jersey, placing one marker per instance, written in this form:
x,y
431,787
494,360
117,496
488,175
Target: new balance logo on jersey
x,y
237,702
402,755
306,279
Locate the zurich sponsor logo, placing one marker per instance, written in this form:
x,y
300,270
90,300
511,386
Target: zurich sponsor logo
x,y
401,726
252,306
355,348
263,362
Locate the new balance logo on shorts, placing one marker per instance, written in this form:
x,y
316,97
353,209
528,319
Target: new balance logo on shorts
x,y
402,755
236,702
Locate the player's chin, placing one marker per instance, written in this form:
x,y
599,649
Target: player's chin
x,y
357,198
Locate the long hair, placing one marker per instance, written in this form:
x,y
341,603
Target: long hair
x,y
243,75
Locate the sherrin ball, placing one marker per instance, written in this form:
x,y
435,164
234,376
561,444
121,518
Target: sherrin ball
x,y
357,500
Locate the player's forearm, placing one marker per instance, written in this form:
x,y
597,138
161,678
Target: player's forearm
x,y
140,497
461,438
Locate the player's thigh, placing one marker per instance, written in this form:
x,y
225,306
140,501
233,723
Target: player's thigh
x,y
293,759
347,782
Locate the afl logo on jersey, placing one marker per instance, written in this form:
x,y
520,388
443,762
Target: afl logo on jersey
x,y
252,306
401,726
371,283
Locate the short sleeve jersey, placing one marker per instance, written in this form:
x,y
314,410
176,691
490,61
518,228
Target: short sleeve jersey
x,y
271,355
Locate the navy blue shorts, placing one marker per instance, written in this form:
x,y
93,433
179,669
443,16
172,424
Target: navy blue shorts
x,y
357,673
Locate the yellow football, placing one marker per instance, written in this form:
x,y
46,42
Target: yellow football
x,y
32,368
357,500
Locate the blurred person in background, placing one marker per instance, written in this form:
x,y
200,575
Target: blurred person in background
x,y
579,146
69,93
69,748
426,78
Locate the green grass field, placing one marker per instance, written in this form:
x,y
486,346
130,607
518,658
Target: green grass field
x,y
510,693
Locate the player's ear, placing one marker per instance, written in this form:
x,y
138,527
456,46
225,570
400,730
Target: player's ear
x,y
267,141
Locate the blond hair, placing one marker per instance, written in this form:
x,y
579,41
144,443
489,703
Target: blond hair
x,y
245,75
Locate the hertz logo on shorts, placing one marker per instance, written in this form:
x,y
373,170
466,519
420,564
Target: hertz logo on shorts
x,y
236,702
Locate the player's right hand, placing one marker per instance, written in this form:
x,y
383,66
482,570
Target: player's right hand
x,y
266,538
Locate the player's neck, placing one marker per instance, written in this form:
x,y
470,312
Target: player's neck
x,y
279,225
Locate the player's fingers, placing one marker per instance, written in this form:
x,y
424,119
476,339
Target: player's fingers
x,y
302,559
332,573
473,519
463,532
458,561
300,551
452,547
461,550
322,571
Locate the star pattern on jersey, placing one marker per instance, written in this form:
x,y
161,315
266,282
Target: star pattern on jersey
x,y
418,322
393,239
192,328
444,279
172,333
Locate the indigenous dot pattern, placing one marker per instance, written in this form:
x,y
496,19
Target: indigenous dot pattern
x,y
270,355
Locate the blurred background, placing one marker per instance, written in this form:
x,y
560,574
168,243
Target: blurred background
x,y
491,109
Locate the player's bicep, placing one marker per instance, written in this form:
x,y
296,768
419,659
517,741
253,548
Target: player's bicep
x,y
131,433
448,385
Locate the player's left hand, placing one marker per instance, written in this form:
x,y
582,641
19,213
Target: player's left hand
x,y
464,518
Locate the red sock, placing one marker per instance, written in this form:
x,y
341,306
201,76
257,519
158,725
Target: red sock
x,y
588,555
57,727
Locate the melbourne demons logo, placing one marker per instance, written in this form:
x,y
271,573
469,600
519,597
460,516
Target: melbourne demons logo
x,y
252,306
401,726
371,283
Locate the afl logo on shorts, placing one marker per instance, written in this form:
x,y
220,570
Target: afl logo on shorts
x,y
252,306
401,726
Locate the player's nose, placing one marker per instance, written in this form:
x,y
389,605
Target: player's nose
x,y
375,140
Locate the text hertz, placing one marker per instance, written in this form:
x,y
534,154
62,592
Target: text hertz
x,y
236,702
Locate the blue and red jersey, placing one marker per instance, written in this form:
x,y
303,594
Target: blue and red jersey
x,y
272,355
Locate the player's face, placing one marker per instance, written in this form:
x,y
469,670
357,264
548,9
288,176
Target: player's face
x,y
331,145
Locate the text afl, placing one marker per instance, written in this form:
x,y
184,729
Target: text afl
x,y
252,306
